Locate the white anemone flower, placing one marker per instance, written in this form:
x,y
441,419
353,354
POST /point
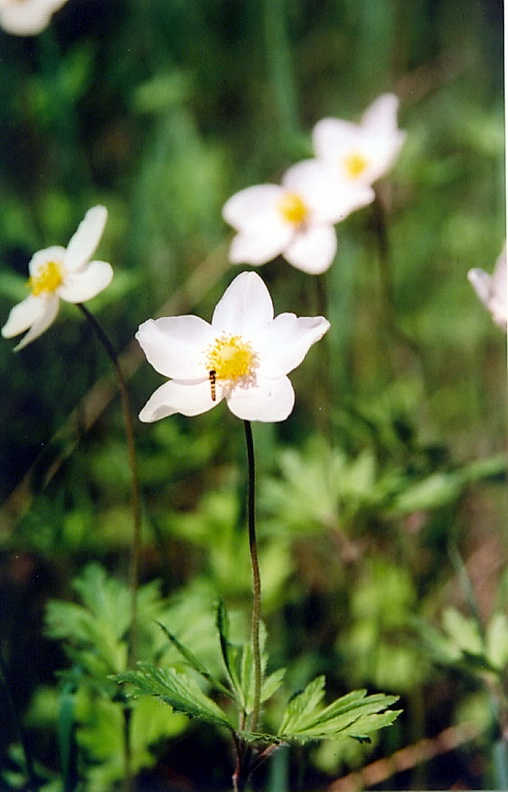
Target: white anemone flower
x,y
61,273
491,289
243,356
294,219
27,17
361,153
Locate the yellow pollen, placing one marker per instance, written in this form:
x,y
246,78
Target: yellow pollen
x,y
48,278
231,358
293,209
355,164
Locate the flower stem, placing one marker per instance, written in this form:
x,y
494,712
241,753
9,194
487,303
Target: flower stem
x,y
256,577
133,464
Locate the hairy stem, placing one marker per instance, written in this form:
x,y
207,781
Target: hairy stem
x,y
256,577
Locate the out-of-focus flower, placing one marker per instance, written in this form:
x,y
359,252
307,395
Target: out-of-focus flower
x,y
491,289
27,17
294,219
61,273
361,153
243,356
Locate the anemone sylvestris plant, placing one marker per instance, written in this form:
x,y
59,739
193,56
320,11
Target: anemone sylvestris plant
x,y
244,357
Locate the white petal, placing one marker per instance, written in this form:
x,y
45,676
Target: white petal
x,y
36,313
187,398
23,315
313,250
84,242
263,232
332,137
245,308
480,281
79,287
248,208
330,199
286,341
381,115
268,401
261,247
55,253
29,17
174,345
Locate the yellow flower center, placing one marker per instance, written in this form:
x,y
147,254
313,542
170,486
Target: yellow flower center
x,y
47,279
293,209
231,358
355,164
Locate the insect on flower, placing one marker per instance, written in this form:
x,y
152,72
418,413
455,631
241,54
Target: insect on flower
x,y
212,376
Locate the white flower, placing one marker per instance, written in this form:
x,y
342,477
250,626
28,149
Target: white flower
x,y
61,273
491,289
294,219
27,17
243,356
361,153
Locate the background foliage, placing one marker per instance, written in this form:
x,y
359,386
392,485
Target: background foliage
x,y
385,486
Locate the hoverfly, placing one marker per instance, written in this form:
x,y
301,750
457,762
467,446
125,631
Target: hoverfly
x,y
212,377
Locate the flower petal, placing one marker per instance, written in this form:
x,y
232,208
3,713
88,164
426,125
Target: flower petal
x,y
28,18
313,250
55,253
83,243
245,308
269,400
287,340
329,199
263,231
78,287
381,115
332,136
480,281
36,313
190,397
174,345
249,207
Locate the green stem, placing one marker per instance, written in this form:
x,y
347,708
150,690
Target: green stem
x,y
256,577
133,464
136,539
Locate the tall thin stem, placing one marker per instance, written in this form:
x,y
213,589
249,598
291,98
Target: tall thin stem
x,y
136,538
256,577
133,464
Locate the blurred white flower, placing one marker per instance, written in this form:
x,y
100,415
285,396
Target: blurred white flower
x,y
27,17
243,356
491,289
294,219
361,153
61,273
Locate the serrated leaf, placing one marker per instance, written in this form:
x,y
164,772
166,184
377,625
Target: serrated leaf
x,y
353,715
271,684
231,653
194,661
178,689
302,704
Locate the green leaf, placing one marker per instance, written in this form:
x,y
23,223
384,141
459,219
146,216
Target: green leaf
x,y
178,689
194,661
353,715
231,653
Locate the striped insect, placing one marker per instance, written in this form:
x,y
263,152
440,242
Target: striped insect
x,y
212,376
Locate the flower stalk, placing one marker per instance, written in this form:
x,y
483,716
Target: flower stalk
x,y
256,577
133,464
